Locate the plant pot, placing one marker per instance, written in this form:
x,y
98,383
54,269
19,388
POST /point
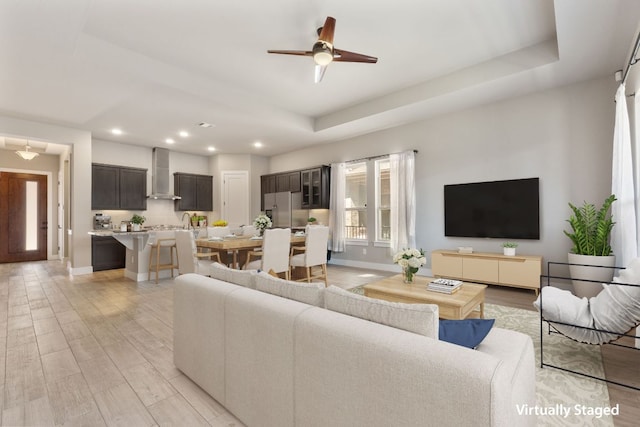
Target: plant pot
x,y
585,271
509,251
135,227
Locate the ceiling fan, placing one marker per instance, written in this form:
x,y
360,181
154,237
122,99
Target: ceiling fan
x,y
324,53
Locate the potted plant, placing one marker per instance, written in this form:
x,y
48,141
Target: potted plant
x,y
137,221
590,233
509,248
311,220
202,221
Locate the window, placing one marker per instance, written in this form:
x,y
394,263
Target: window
x,y
383,200
356,201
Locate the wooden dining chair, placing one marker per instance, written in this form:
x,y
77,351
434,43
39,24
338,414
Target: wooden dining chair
x,y
274,255
314,254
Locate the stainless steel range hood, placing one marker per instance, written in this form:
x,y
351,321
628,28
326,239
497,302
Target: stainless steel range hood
x,y
160,175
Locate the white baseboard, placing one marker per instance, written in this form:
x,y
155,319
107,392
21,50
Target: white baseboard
x,y
78,271
376,266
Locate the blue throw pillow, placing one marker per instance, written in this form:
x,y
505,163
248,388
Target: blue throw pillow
x,y
468,333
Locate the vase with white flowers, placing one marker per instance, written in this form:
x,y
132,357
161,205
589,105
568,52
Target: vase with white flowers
x,y
261,223
410,260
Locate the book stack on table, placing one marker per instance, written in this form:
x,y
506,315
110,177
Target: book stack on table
x,y
446,286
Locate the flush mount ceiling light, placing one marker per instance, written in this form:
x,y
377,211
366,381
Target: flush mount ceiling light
x,y
257,144
169,141
211,148
26,154
183,133
116,131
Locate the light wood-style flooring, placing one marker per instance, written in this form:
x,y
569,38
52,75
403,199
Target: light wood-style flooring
x,y
98,350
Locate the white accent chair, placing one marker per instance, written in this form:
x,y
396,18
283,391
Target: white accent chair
x,y
188,256
314,253
274,255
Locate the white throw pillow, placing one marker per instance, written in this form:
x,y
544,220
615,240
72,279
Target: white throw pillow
x,y
562,306
308,293
418,318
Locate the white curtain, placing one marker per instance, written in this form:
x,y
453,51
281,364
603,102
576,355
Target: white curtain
x,y
403,200
624,235
337,207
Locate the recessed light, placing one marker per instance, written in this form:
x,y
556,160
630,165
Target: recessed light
x,y
183,133
169,141
205,125
257,144
116,131
211,148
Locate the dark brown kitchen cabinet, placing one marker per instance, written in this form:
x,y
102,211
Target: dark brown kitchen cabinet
x,y
107,253
315,187
268,184
118,187
196,192
289,181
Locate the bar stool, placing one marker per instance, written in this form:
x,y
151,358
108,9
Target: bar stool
x,y
163,239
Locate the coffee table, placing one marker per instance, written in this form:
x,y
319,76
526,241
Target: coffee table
x,y
456,306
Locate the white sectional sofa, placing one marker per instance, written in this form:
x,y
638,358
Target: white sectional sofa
x,y
273,361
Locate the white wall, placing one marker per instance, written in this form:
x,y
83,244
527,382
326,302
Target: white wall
x,y
564,136
255,165
80,165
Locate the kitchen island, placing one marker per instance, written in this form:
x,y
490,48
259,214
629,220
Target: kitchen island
x,y
137,255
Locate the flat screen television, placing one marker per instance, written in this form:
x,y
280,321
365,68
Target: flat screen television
x,y
502,209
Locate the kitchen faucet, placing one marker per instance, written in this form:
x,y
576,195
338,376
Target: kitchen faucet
x,y
188,227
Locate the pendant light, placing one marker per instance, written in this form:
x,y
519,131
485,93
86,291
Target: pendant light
x,y
26,154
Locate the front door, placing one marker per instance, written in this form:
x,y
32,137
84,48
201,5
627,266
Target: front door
x,y
23,217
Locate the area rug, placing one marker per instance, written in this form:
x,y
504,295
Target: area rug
x,y
562,398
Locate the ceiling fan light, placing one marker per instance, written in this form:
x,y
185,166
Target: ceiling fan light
x,y
26,154
322,54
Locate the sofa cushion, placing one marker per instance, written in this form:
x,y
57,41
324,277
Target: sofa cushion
x,y
244,278
220,272
308,293
467,333
418,318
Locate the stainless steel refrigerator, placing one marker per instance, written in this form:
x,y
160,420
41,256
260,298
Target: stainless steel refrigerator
x,y
279,207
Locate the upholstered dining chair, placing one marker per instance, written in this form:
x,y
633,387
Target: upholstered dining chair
x,y
274,255
314,253
218,231
249,230
189,259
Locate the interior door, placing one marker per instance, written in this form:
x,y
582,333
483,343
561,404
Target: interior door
x,y
235,197
23,217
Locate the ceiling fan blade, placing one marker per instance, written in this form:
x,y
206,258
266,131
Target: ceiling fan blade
x,y
326,35
320,69
292,52
346,56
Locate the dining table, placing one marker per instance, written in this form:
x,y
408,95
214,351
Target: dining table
x,y
238,244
